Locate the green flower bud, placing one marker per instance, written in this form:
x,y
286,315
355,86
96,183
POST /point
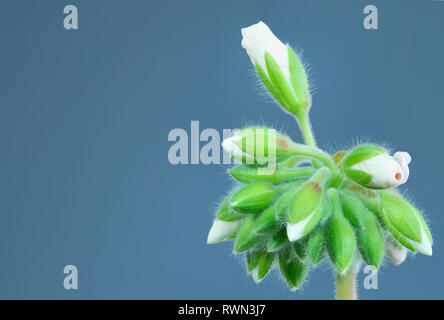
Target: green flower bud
x,y
341,242
267,223
405,223
253,198
249,174
222,230
246,236
263,267
279,68
316,246
292,269
226,213
307,206
252,258
368,233
256,145
277,241
372,167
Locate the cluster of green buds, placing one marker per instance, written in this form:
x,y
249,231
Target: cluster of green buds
x,y
295,205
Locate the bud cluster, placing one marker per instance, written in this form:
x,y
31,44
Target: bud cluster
x,y
296,205
299,214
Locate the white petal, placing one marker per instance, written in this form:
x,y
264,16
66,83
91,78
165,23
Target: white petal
x,y
385,171
396,254
258,38
404,159
221,230
296,231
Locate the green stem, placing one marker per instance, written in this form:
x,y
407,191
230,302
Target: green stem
x,y
314,153
307,132
346,286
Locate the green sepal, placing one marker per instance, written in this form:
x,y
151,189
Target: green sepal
x,y
265,265
253,198
292,269
226,213
358,176
341,243
299,81
246,236
280,83
368,233
249,174
270,86
277,241
282,205
253,257
360,154
267,223
316,246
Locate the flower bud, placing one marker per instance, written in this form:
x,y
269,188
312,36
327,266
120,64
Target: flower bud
x,y
372,167
340,236
253,198
316,246
292,269
307,206
279,68
222,230
246,236
267,223
368,233
249,174
405,223
264,265
256,145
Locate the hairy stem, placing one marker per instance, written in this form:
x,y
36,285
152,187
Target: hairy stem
x,y
314,153
346,286
307,132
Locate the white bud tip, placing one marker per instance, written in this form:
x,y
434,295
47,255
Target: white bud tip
x,y
221,230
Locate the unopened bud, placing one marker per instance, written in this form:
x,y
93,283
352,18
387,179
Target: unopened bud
x,y
253,198
372,167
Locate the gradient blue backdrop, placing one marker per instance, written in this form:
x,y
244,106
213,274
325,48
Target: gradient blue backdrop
x,y
85,115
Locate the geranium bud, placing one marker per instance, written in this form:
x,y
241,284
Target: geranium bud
x,y
340,236
246,236
292,269
267,223
222,230
306,208
372,167
405,223
279,68
256,145
316,246
249,174
368,233
253,198
264,266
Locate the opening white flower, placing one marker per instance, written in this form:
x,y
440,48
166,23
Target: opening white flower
x,y
257,39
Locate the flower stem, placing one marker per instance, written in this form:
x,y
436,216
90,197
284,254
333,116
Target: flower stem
x,y
307,132
346,286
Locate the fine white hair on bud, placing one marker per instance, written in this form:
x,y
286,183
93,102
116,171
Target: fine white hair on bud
x,y
258,38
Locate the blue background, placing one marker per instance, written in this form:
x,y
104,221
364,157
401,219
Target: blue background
x,y
84,173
